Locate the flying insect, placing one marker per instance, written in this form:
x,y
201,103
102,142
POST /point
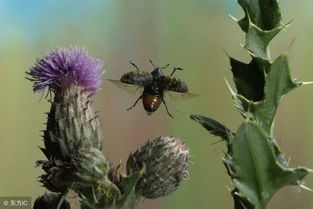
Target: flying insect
x,y
155,85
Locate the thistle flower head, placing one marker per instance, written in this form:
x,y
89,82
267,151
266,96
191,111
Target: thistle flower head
x,y
166,160
63,67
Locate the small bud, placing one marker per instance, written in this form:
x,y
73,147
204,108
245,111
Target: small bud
x,y
49,201
89,166
91,173
166,160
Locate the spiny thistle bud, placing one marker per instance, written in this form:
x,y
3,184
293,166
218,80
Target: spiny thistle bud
x,y
91,173
72,124
49,200
165,160
89,166
102,195
73,76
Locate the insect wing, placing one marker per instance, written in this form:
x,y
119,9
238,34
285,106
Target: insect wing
x,y
173,84
140,78
130,88
176,96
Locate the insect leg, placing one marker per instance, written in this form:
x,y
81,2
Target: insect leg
x,y
176,68
167,109
134,103
165,66
133,64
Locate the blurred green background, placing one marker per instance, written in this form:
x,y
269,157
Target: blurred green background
x,y
185,33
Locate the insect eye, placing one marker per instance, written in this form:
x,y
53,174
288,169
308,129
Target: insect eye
x,y
125,77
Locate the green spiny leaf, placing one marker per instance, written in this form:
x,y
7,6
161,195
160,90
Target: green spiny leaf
x,y
253,160
249,79
241,203
258,175
257,40
278,83
240,102
128,184
213,127
265,14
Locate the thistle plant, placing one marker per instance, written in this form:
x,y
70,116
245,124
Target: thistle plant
x,y
73,142
254,160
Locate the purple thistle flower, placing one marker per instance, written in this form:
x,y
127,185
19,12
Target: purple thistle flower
x,y
63,67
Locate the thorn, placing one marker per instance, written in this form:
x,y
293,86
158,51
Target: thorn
x,y
305,187
92,119
226,52
236,193
249,51
306,83
249,18
310,170
288,23
233,18
288,161
229,189
229,87
291,44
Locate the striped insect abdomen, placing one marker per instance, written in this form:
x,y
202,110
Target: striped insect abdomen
x,y
151,102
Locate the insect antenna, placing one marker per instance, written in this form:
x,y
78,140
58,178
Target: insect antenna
x,y
135,66
152,63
